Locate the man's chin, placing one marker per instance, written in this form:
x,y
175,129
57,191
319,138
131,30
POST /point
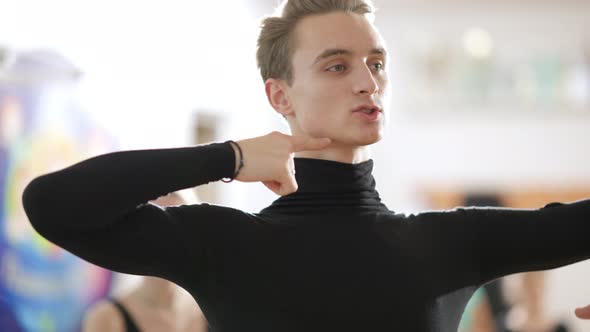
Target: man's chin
x,y
370,139
363,141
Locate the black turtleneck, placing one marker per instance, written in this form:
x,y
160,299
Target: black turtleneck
x,y
330,257
328,187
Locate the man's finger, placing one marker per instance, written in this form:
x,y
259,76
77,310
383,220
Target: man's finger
x,y
288,184
308,144
583,313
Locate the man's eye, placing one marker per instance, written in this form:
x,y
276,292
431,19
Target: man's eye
x,y
336,68
378,66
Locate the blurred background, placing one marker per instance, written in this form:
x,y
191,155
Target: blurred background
x,y
491,106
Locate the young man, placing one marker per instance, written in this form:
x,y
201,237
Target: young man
x,y
327,255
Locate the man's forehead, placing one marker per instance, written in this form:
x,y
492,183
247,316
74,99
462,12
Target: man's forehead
x,y
337,31
320,52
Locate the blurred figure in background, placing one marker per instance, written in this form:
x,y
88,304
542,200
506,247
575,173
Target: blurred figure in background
x,y
529,312
155,305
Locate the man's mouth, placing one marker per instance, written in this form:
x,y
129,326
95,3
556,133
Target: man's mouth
x,y
367,109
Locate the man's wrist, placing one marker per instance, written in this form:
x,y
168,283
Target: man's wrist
x,y
239,160
236,157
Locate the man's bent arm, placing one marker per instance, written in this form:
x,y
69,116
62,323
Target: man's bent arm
x,y
98,209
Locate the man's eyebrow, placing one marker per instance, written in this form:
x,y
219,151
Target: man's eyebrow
x,y
379,50
340,51
330,53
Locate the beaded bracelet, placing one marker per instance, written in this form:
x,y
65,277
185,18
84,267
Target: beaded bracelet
x,y
241,164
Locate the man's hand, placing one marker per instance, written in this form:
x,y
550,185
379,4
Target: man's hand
x,y
583,313
269,159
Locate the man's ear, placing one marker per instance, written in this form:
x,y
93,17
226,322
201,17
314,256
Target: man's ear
x,y
276,92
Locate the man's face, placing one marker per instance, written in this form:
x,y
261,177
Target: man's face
x,y
338,66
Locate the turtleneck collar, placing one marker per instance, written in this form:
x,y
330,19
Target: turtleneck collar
x,y
327,186
327,176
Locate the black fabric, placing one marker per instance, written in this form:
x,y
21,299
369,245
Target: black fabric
x,y
129,322
330,257
498,306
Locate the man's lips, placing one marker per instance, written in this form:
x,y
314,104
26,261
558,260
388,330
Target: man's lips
x,y
367,109
370,113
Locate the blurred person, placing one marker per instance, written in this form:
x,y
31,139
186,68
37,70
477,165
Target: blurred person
x,y
477,316
327,255
529,311
155,305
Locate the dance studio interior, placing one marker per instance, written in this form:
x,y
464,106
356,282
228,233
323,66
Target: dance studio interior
x,y
490,106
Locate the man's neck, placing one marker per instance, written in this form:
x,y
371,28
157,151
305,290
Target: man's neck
x,y
343,154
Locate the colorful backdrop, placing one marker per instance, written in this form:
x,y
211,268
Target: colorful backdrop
x,y
42,128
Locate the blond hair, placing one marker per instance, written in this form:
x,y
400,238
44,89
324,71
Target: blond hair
x,y
275,42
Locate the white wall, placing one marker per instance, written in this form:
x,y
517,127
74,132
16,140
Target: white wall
x,y
146,65
503,144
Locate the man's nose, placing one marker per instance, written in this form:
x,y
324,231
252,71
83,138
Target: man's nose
x,y
364,82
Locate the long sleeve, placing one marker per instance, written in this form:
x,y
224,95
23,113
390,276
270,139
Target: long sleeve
x,y
98,209
470,246
516,240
